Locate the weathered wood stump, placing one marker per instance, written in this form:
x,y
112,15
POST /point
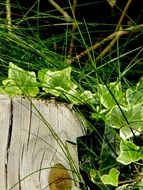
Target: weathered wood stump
x,y
36,153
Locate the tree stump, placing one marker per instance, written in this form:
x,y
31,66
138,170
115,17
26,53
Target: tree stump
x,y
37,145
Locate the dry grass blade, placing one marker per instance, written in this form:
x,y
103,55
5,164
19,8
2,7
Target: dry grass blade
x,y
61,10
8,15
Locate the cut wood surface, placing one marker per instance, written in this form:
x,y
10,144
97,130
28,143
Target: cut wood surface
x,y
35,138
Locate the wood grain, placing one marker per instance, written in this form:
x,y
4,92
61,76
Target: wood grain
x,y
30,140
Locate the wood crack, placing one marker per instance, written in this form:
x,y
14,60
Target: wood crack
x,y
9,140
29,149
29,129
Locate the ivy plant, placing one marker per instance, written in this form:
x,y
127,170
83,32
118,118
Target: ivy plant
x,y
20,81
121,112
111,178
55,83
128,119
129,152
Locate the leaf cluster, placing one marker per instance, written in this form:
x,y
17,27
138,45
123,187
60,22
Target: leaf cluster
x,y
121,111
122,114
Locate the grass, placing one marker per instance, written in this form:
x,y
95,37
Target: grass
x,y
98,53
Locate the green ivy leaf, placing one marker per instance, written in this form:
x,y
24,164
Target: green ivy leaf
x,y
111,178
135,95
88,97
73,96
129,152
56,82
20,81
80,98
2,90
105,95
129,121
93,174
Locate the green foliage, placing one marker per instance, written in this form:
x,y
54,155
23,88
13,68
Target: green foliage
x,y
104,93
128,119
56,83
121,111
20,81
129,152
122,115
134,95
111,178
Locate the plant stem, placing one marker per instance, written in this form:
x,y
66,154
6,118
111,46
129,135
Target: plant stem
x,y
118,27
8,15
117,34
61,10
74,27
123,15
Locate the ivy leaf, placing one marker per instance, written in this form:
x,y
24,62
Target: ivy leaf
x,y
105,96
88,97
135,95
111,178
2,90
93,174
129,120
56,82
129,152
73,96
80,98
20,81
